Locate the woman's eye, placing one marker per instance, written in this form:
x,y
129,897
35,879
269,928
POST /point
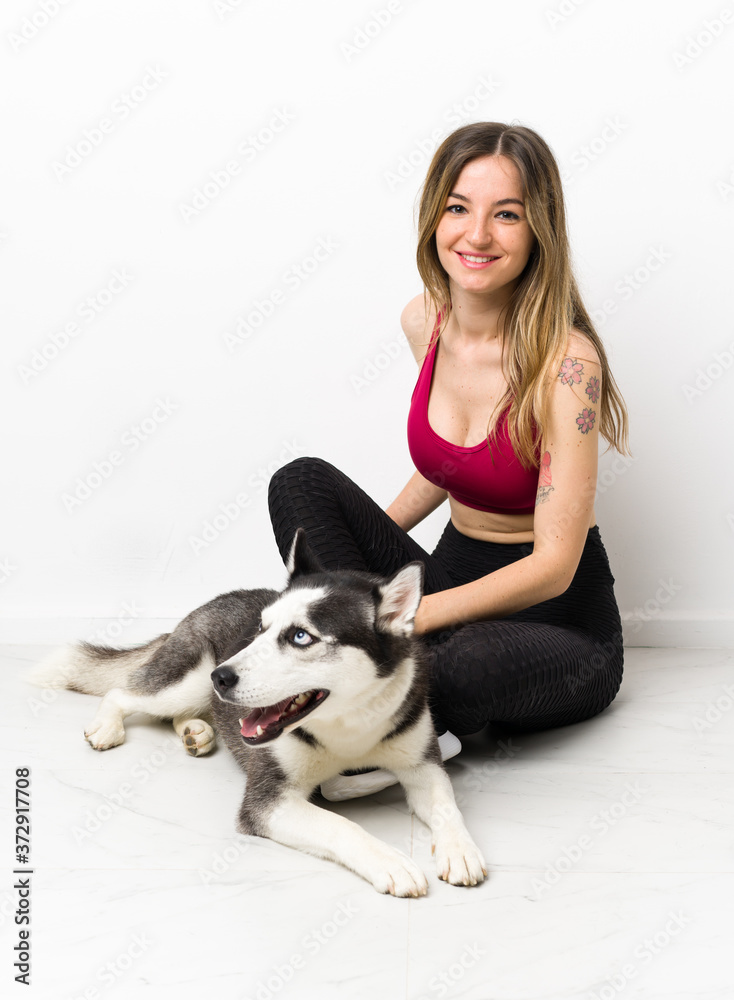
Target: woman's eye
x,y
302,638
510,215
450,209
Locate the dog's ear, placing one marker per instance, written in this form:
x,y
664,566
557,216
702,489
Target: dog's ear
x,y
400,598
301,559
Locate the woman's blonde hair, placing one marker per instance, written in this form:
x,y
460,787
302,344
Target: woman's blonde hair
x,y
546,303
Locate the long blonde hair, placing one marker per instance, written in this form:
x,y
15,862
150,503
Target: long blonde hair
x,y
546,303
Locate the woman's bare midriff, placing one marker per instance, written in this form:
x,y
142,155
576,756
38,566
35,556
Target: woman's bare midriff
x,y
508,529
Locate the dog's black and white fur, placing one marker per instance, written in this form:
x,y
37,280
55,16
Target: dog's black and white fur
x,y
321,678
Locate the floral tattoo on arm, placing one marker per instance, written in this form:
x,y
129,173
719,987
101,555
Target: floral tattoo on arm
x,y
544,480
586,420
592,389
570,372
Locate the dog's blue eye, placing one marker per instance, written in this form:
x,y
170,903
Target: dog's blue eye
x,y
302,638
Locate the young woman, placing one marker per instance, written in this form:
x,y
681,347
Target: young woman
x,y
519,616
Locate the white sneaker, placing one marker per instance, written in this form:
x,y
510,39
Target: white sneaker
x,y
354,786
449,745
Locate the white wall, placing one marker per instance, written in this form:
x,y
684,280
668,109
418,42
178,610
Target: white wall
x,y
642,129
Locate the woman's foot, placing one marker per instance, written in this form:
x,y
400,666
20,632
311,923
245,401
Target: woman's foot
x,y
355,785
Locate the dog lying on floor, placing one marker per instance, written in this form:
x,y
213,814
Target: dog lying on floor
x,y
302,685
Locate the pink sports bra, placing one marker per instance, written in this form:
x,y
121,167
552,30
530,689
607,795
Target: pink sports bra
x,y
497,483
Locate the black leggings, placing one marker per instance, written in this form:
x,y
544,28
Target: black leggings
x,y
552,664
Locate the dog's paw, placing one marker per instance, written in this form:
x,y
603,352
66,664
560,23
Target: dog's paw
x,y
198,737
396,874
103,735
459,860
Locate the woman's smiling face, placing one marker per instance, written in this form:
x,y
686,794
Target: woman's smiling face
x,y
484,239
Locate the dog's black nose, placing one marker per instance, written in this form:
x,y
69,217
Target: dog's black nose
x,y
224,678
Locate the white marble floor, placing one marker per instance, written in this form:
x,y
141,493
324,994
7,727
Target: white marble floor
x,y
609,845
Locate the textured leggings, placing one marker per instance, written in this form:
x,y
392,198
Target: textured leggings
x,y
552,664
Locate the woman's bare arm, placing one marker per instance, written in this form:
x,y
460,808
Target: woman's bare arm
x,y
564,505
417,500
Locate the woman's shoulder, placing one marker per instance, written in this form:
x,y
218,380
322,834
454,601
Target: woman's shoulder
x,y
580,347
577,382
418,323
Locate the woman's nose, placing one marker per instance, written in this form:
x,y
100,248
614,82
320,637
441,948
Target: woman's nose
x,y
480,232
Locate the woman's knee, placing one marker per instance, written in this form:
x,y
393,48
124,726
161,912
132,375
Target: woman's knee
x,y
299,471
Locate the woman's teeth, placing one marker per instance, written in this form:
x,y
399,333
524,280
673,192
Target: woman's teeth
x,y
477,260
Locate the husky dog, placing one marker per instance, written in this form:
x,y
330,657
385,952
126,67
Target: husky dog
x,y
304,684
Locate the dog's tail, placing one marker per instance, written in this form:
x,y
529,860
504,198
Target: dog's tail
x,y
92,669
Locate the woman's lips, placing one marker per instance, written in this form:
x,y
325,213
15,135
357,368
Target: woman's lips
x,y
476,262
